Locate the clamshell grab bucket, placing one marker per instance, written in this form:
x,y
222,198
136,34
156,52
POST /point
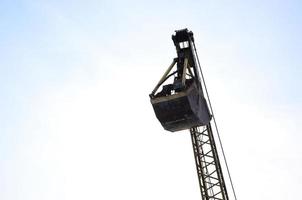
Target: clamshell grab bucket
x,y
182,110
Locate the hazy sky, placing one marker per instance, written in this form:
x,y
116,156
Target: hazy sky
x,y
75,118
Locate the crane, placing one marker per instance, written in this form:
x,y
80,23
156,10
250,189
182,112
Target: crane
x,y
182,105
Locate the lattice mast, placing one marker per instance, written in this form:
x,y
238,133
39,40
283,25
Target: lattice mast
x,y
181,105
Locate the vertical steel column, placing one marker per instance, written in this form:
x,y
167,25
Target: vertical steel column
x,y
210,177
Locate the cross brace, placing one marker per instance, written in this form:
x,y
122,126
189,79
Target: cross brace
x,y
210,177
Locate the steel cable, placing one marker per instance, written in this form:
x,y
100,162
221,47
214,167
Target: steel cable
x,y
220,143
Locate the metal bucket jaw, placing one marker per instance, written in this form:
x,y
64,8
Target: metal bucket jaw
x,y
183,110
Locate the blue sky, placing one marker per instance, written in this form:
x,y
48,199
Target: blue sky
x,y
74,83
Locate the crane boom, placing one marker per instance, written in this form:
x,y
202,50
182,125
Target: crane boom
x,y
210,176
181,105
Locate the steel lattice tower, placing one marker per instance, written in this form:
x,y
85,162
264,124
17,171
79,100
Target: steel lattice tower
x,y
210,177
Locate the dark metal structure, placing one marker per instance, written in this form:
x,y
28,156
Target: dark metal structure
x,y
181,105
